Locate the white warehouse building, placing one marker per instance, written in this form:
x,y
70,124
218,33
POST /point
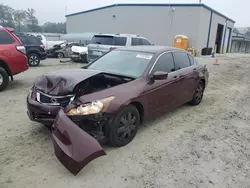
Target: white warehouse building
x,y
160,23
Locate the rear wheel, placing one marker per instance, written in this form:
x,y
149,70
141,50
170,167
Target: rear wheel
x,y
197,98
34,60
124,126
4,79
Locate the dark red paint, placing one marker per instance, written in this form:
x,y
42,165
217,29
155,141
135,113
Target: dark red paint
x,y
151,94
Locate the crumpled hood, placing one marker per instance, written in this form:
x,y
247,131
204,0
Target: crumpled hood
x,y
63,82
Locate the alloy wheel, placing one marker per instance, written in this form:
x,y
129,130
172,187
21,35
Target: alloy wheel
x,y
33,60
127,127
199,92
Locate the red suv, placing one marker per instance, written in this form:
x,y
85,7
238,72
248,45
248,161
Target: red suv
x,y
13,58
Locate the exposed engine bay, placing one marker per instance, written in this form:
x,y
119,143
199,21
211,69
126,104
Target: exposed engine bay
x,y
99,82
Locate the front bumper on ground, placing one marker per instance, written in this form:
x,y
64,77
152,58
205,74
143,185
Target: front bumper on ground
x,y
39,112
74,147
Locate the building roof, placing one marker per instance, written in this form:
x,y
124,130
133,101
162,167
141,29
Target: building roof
x,y
155,5
240,36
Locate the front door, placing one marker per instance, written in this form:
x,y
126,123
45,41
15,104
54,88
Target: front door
x,y
163,94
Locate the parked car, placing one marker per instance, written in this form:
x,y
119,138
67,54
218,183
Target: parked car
x,y
35,49
41,37
13,58
102,43
62,50
111,97
79,54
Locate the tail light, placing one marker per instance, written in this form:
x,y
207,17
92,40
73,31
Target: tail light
x,y
21,49
42,46
112,48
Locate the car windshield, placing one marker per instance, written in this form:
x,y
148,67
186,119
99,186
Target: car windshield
x,y
127,63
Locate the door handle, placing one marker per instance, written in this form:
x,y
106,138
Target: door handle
x,y
175,77
195,69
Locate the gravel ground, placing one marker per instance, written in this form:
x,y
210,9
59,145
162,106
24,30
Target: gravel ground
x,y
203,146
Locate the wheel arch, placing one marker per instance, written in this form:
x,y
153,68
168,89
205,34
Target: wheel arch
x,y
203,81
33,52
140,109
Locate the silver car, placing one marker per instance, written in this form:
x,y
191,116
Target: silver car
x,y
103,43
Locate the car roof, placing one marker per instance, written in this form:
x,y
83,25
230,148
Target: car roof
x,y
117,35
150,49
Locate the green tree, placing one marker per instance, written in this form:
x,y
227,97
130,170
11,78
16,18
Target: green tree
x,y
20,16
50,27
32,20
6,18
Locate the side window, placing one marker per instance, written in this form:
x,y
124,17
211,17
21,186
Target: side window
x,y
23,39
164,63
181,60
191,59
5,38
135,42
120,41
145,42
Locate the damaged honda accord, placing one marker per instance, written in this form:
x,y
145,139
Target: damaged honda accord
x,y
108,99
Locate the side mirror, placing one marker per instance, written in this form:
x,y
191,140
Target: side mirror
x,y
160,75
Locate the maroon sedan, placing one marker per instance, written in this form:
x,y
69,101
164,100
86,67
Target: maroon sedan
x,y
111,97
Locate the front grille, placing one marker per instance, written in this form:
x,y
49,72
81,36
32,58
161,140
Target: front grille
x,y
54,100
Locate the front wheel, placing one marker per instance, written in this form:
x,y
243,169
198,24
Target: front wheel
x,y
4,79
198,95
34,60
124,126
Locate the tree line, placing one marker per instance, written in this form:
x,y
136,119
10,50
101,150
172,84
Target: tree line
x,y
26,21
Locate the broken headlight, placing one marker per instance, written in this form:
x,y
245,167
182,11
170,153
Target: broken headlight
x,y
91,108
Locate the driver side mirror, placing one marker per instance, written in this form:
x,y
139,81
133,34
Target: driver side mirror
x,y
160,75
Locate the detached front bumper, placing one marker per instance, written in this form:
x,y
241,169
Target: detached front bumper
x,y
39,112
74,148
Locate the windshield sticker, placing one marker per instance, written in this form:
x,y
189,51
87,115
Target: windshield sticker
x,y
144,56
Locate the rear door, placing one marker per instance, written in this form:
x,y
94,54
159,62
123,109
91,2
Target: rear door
x,y
163,94
188,75
8,51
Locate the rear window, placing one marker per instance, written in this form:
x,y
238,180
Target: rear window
x,y
5,38
28,40
120,41
109,40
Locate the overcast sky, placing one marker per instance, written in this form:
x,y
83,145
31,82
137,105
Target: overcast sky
x,y
54,10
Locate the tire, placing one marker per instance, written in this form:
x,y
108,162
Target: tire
x,y
48,126
198,95
34,60
60,55
4,79
127,129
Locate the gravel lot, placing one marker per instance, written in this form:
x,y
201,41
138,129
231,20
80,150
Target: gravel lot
x,y
203,146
